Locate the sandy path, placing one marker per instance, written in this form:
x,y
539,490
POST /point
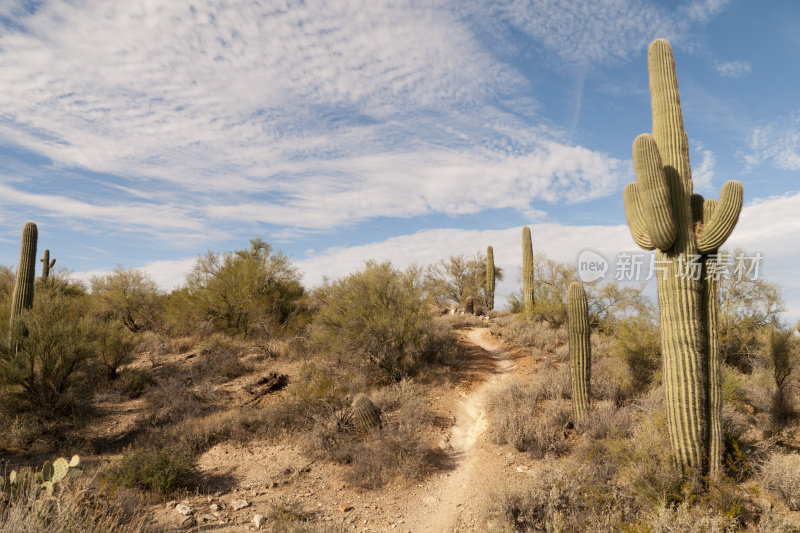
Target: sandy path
x,y
453,501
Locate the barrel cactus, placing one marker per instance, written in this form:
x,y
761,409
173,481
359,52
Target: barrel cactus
x,y
26,273
47,264
580,350
527,270
490,278
664,214
365,414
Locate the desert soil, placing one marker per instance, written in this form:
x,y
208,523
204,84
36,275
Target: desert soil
x,y
453,499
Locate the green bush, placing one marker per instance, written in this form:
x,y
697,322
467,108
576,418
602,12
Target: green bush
x,y
248,292
130,296
115,346
638,344
378,315
160,471
46,363
138,382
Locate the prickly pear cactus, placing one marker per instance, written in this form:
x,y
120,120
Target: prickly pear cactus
x,y
527,270
490,278
580,350
664,214
365,415
26,272
47,264
47,479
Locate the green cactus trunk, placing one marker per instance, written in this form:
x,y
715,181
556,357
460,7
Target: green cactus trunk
x,y
490,278
26,273
580,350
660,213
527,270
47,264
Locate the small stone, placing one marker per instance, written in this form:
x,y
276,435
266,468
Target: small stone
x,y
208,518
346,508
185,510
258,521
215,507
188,521
239,504
170,504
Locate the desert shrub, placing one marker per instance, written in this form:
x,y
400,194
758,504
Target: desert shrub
x,y
685,517
452,280
157,470
238,292
780,474
127,295
775,521
610,380
46,362
608,421
220,358
138,382
519,415
379,316
114,346
534,334
638,345
77,507
562,496
780,353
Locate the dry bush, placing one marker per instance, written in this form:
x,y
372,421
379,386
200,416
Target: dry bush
x,y
610,380
536,335
775,521
685,518
75,507
520,415
563,496
220,359
459,321
157,470
780,474
638,346
608,421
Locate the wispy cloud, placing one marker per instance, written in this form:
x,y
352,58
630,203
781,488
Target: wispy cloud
x,y
591,32
732,69
777,142
703,173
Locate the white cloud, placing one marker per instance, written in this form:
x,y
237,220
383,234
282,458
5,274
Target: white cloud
x,y
777,142
168,274
306,116
733,69
590,32
703,173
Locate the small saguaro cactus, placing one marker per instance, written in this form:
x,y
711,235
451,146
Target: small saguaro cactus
x,y
527,270
26,273
664,214
365,414
580,349
490,278
47,264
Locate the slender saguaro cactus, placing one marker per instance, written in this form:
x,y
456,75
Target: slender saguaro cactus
x,y
665,215
26,273
527,270
580,349
490,276
47,264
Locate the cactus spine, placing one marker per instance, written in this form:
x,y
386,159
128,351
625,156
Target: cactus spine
x,y
663,214
26,273
580,349
490,278
527,270
47,264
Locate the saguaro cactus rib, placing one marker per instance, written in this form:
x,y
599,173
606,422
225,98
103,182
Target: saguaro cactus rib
x,y
687,301
636,221
580,350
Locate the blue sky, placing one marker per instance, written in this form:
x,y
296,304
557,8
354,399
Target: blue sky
x,y
144,133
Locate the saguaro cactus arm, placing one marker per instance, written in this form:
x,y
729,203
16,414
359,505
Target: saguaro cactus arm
x,y
718,227
636,222
654,192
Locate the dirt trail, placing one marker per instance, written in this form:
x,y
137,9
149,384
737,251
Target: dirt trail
x,y
453,501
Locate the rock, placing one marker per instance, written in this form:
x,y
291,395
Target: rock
x,y
188,522
215,507
346,508
185,510
239,504
170,504
258,521
208,518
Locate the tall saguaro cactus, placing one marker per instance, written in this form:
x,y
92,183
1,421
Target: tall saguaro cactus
x,y
490,277
580,349
665,215
527,270
26,272
47,264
